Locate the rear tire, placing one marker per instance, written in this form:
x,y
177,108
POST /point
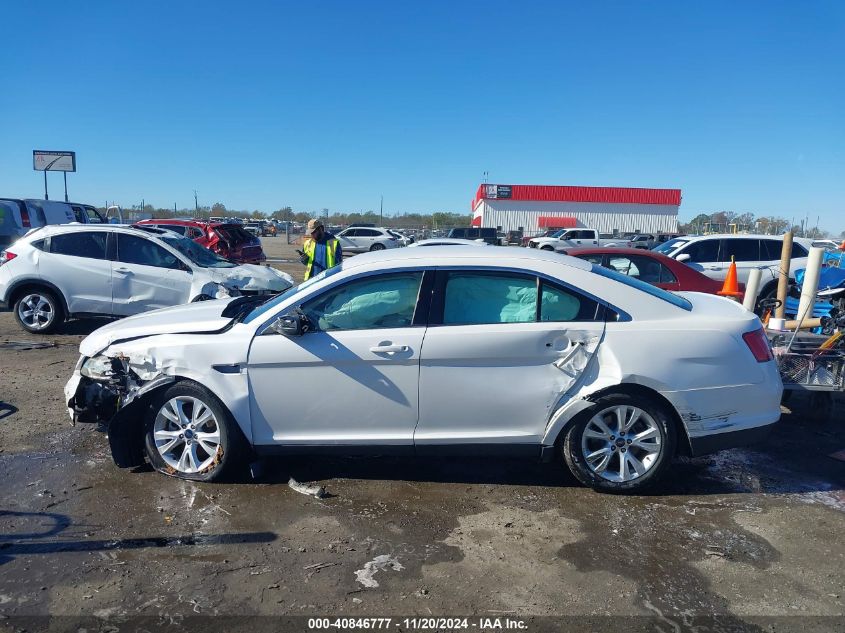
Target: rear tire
x,y
546,248
377,247
189,434
38,311
621,444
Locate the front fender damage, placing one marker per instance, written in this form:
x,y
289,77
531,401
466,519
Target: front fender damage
x,y
117,402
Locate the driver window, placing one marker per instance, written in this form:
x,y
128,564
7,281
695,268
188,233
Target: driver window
x,y
381,301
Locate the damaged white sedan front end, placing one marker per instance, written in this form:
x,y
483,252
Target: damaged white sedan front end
x,y
435,351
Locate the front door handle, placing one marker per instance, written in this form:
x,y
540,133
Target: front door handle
x,y
388,349
122,270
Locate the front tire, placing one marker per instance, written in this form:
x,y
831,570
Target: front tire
x,y
546,248
38,311
189,434
621,444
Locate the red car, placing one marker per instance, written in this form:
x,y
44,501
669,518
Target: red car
x,y
230,241
650,267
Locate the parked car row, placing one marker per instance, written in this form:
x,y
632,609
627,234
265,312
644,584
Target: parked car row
x,y
18,217
230,241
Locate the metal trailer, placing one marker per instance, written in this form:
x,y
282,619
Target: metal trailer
x,y
806,368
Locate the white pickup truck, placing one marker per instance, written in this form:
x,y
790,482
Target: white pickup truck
x,y
573,238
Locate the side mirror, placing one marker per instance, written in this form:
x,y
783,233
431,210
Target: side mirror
x,y
295,324
683,257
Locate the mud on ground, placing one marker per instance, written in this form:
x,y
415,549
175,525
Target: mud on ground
x,y
744,534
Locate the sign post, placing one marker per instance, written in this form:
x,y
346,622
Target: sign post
x,y
53,161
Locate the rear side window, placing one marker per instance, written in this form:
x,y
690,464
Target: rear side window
x,y
476,298
798,250
770,250
88,244
742,250
137,250
640,267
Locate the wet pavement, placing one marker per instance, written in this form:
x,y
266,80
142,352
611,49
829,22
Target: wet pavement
x,y
752,535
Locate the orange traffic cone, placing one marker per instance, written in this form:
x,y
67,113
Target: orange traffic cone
x,y
731,287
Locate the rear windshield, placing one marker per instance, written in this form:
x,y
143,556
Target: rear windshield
x,y
654,291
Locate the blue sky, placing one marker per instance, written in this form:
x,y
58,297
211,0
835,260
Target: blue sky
x,y
333,104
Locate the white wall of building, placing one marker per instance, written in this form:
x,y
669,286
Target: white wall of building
x,y
602,216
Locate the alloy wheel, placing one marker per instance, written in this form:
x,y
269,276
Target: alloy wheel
x,y
187,435
621,443
36,312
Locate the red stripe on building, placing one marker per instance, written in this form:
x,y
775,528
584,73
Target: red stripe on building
x,y
557,222
612,195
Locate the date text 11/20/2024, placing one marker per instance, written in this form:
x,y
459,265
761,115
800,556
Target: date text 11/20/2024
x,y
418,624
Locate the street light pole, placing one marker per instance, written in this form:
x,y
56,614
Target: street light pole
x,y
196,204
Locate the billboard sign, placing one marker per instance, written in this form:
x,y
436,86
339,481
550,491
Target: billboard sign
x,y
53,161
497,192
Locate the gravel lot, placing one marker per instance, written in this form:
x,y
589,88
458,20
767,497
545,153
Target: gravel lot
x,y
753,535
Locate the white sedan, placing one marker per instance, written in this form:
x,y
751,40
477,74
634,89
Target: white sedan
x,y
68,270
436,351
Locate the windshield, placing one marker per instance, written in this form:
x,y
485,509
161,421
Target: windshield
x,y
263,308
196,253
558,233
671,245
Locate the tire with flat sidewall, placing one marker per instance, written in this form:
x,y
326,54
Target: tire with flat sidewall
x,y
235,446
55,305
571,445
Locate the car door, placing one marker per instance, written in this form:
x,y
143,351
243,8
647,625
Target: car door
x,y
147,276
496,361
352,379
349,240
75,262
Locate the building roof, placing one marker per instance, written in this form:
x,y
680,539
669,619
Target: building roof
x,y
553,193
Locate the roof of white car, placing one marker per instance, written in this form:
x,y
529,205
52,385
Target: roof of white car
x,y
49,229
495,255
691,238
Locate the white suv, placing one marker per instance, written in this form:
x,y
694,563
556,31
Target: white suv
x,y
359,239
711,255
111,270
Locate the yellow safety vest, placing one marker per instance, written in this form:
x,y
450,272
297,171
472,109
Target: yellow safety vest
x,y
310,247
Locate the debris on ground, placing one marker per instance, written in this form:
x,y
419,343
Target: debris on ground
x,y
379,563
21,346
313,490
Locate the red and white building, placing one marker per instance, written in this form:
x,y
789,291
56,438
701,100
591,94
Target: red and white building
x,y
534,208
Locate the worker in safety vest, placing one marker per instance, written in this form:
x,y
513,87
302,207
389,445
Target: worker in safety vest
x,y
320,251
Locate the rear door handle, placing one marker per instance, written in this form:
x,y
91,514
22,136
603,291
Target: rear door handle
x,y
388,349
122,270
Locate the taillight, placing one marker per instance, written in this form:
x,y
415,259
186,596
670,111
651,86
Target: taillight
x,y
758,343
25,219
6,256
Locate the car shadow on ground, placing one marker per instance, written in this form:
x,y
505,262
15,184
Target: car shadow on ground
x,y
82,327
795,459
7,410
29,533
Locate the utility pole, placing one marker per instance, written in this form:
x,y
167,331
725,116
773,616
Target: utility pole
x,y
486,174
196,204
381,211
